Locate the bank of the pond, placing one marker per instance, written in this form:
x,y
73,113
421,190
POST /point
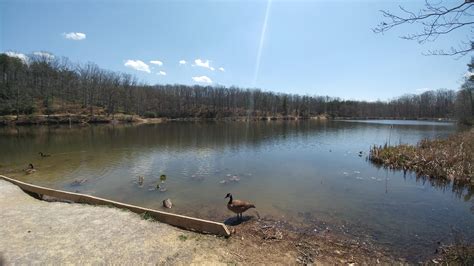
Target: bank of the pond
x,y
35,231
433,119
54,119
42,119
450,159
74,119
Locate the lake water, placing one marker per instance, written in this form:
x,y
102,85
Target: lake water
x,y
306,172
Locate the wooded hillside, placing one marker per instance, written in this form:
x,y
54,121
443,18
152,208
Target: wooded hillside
x,y
51,85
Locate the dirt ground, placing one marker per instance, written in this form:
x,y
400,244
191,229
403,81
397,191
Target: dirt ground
x,y
34,231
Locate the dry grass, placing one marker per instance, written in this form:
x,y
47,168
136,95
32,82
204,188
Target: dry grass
x,y
450,159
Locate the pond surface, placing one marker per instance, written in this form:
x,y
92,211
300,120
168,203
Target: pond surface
x,y
306,172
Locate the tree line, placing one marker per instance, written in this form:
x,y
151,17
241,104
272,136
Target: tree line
x,y
49,85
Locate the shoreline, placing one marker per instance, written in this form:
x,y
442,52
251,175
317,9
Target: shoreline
x,y
37,230
45,231
64,119
431,119
11,120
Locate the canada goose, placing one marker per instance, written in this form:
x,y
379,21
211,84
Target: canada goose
x,y
140,180
167,203
238,206
43,155
78,181
31,169
160,188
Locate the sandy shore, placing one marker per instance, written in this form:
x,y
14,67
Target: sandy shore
x,y
40,232
34,231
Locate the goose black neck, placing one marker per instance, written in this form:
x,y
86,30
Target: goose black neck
x,y
230,199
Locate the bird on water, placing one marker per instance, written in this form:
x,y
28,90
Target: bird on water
x,y
30,170
43,155
238,206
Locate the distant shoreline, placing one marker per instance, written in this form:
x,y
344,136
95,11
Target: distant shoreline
x,y
121,118
12,120
440,119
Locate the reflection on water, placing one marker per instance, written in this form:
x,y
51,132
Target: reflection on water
x,y
300,171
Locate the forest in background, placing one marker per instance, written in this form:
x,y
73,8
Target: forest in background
x,y
44,84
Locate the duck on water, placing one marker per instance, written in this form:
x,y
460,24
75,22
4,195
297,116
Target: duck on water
x,y
30,170
238,206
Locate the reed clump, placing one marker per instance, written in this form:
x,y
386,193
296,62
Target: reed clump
x,y
451,159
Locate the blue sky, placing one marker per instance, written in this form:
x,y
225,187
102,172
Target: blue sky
x,y
309,47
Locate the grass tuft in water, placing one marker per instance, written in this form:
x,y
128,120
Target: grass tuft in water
x,y
451,159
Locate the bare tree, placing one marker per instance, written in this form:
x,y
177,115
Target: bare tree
x,y
435,19
27,88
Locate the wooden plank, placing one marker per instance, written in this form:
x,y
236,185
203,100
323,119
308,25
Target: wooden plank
x,y
181,221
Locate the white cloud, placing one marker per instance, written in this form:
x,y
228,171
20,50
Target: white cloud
x,y
203,79
138,65
45,55
182,62
76,36
162,73
156,62
22,57
202,63
222,69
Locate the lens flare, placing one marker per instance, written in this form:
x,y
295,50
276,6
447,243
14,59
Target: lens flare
x,y
262,39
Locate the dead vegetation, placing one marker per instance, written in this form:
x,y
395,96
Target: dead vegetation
x,y
265,240
442,161
456,254
460,252
450,159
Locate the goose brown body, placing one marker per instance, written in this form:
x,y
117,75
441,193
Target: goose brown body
x,y
238,206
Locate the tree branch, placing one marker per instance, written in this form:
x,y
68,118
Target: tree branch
x,y
435,20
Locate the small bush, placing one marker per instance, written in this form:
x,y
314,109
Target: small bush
x,y
149,114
